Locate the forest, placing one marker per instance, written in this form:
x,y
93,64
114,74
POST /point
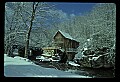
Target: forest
x,y
35,23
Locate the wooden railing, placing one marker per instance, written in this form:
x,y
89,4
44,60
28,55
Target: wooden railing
x,y
71,50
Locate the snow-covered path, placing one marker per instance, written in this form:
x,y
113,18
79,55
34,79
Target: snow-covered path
x,y
21,67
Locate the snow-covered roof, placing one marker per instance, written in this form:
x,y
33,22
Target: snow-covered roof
x,y
66,35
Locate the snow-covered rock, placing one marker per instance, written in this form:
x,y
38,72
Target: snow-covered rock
x,y
73,63
95,58
78,55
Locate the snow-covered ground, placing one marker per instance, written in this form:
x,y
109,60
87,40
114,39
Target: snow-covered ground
x,y
22,67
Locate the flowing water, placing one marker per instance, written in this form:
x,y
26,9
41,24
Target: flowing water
x,y
92,72
95,72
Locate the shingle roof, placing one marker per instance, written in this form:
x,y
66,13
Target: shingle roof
x,y
66,35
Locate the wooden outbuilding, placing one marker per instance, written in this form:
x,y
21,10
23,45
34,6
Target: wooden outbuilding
x,y
66,43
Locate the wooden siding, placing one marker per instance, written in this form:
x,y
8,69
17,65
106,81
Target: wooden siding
x,y
65,43
70,46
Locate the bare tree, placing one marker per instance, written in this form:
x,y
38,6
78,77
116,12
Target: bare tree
x,y
30,27
27,16
12,26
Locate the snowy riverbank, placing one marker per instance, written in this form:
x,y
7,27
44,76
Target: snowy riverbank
x,y
22,67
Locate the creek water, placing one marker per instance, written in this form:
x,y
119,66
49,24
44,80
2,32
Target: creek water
x,y
92,72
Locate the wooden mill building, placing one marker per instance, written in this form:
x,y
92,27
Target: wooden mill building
x,y
66,43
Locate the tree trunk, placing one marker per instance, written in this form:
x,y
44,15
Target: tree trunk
x,y
27,46
29,30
